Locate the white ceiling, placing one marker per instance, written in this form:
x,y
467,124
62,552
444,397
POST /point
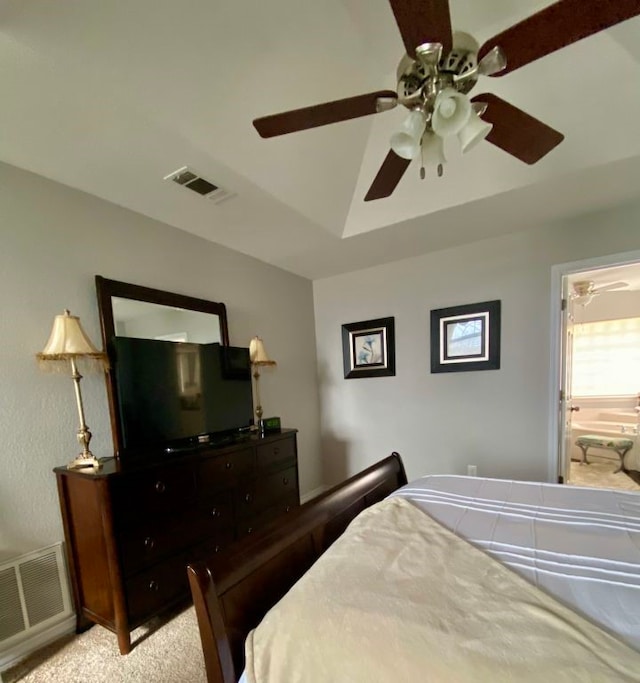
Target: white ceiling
x,y
110,96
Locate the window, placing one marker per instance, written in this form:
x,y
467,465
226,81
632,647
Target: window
x,y
606,358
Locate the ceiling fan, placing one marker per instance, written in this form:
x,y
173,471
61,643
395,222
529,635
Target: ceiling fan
x,y
584,290
438,71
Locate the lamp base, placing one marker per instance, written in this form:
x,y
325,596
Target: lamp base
x,y
82,462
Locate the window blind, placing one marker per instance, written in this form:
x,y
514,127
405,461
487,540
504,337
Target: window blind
x,y
606,358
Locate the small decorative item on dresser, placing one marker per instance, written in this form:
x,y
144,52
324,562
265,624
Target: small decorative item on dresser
x,y
271,425
259,358
70,344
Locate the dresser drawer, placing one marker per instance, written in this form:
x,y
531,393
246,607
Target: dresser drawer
x,y
256,496
275,487
147,541
224,470
156,588
216,510
275,455
282,507
155,492
222,539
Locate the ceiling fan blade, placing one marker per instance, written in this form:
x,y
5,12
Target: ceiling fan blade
x,y
610,287
321,114
561,24
388,177
516,132
423,21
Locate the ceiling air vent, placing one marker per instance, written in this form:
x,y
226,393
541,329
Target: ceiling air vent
x,y
187,177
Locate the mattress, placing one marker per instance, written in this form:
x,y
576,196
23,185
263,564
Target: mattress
x,y
580,545
399,597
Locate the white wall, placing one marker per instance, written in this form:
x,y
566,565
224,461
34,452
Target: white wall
x,y
53,241
439,423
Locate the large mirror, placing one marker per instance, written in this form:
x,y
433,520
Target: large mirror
x,y
128,310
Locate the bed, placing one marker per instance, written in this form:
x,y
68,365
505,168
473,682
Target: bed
x,y
453,578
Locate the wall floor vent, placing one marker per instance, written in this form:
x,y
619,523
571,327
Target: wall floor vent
x,y
34,594
191,180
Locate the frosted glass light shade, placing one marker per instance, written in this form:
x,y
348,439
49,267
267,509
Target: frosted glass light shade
x,y
433,149
450,113
406,142
474,132
258,354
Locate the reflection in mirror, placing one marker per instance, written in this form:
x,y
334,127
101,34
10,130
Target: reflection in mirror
x,y
145,320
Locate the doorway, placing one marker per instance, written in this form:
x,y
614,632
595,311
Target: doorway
x,y
594,439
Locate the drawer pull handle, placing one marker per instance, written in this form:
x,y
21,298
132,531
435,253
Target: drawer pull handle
x,y
160,487
228,465
285,480
216,549
153,586
215,512
250,530
288,508
247,498
149,543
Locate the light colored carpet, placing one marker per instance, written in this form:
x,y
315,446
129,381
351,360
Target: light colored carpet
x,y
599,474
170,654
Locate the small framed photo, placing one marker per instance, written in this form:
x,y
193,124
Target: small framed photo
x,y
465,338
368,348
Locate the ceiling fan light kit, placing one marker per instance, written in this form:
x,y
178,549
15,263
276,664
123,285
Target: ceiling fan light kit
x,y
475,131
433,148
440,69
406,142
451,111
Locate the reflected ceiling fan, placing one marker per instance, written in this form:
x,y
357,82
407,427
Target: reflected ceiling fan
x,y
440,69
584,290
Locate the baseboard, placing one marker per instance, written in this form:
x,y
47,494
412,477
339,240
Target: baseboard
x,y
36,641
312,494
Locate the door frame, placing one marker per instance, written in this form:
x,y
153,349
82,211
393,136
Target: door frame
x,y
556,381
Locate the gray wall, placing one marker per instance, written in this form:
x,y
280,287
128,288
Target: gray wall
x,y
440,423
53,241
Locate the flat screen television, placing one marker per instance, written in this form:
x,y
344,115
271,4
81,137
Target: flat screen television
x,y
172,395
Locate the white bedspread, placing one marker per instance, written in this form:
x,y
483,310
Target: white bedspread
x,y
581,545
399,597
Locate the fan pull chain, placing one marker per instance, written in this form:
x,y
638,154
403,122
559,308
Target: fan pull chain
x,y
422,171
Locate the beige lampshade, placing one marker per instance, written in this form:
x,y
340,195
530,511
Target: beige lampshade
x,y
68,340
258,354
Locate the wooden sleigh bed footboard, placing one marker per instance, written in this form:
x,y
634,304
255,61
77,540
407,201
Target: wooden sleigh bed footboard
x,y
232,593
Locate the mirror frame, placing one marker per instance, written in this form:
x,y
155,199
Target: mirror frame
x,y
106,289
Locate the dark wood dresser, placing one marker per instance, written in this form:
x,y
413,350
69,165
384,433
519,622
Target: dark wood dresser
x,y
131,529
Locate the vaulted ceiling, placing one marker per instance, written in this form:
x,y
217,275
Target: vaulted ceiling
x,y
109,97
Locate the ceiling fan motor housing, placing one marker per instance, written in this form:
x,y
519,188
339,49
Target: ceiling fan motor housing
x,y
418,86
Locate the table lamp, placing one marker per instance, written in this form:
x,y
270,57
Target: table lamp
x,y
259,358
69,345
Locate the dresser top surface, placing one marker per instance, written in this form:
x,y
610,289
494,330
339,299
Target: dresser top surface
x,y
115,466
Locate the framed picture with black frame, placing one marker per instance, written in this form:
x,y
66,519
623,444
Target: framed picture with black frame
x,y
368,348
465,338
